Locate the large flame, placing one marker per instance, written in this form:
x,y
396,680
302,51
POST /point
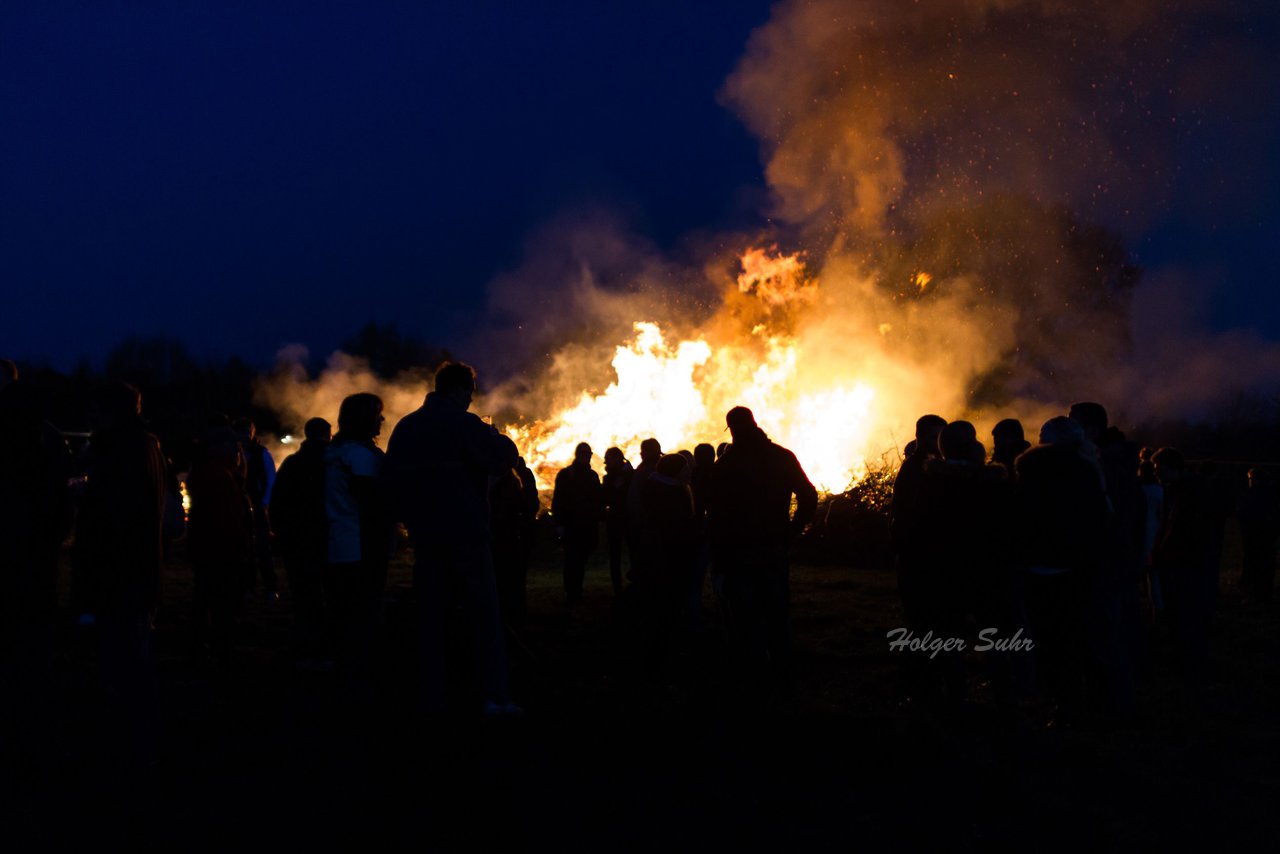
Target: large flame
x,y
679,391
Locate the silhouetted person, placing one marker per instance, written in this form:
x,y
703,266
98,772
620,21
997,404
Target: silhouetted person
x,y
34,520
118,549
1259,530
1153,497
301,528
358,509
704,460
964,504
260,475
1117,594
530,507
650,453
576,508
616,487
752,529
440,459
1008,442
1187,554
909,538
1063,511
219,545
670,536
507,505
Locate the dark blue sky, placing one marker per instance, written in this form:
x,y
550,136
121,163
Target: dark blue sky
x,y
243,176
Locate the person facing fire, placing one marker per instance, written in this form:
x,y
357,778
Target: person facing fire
x,y
671,535
260,476
1008,441
219,545
35,516
752,528
301,530
907,534
1063,515
967,566
119,549
358,511
615,489
1117,595
506,518
440,458
650,453
576,508
1188,551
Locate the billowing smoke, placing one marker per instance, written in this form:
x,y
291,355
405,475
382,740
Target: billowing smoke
x,y
951,182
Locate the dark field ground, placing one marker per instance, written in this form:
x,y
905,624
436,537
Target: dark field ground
x,y
608,758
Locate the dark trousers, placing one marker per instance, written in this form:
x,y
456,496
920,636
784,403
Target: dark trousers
x,y
511,574
355,602
216,600
457,579
1057,611
617,537
307,585
126,650
757,601
262,550
579,543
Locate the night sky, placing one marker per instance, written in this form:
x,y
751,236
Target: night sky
x,y
243,176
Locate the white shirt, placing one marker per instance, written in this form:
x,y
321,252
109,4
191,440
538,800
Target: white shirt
x,y
343,461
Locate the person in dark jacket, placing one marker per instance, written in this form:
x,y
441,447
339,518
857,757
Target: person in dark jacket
x,y
530,507
440,459
35,518
1259,530
119,548
704,460
1187,555
1063,510
219,545
1008,442
576,509
615,489
259,480
1116,621
752,529
302,536
507,503
963,503
909,538
671,537
650,453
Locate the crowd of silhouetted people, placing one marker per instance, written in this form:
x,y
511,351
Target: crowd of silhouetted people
x,y
1082,544
1059,556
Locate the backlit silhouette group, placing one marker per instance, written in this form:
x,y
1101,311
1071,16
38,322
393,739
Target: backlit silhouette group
x,y
1071,544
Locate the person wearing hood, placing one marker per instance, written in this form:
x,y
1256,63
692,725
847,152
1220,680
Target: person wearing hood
x,y
752,529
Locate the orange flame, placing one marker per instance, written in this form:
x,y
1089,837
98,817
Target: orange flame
x,y
679,392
